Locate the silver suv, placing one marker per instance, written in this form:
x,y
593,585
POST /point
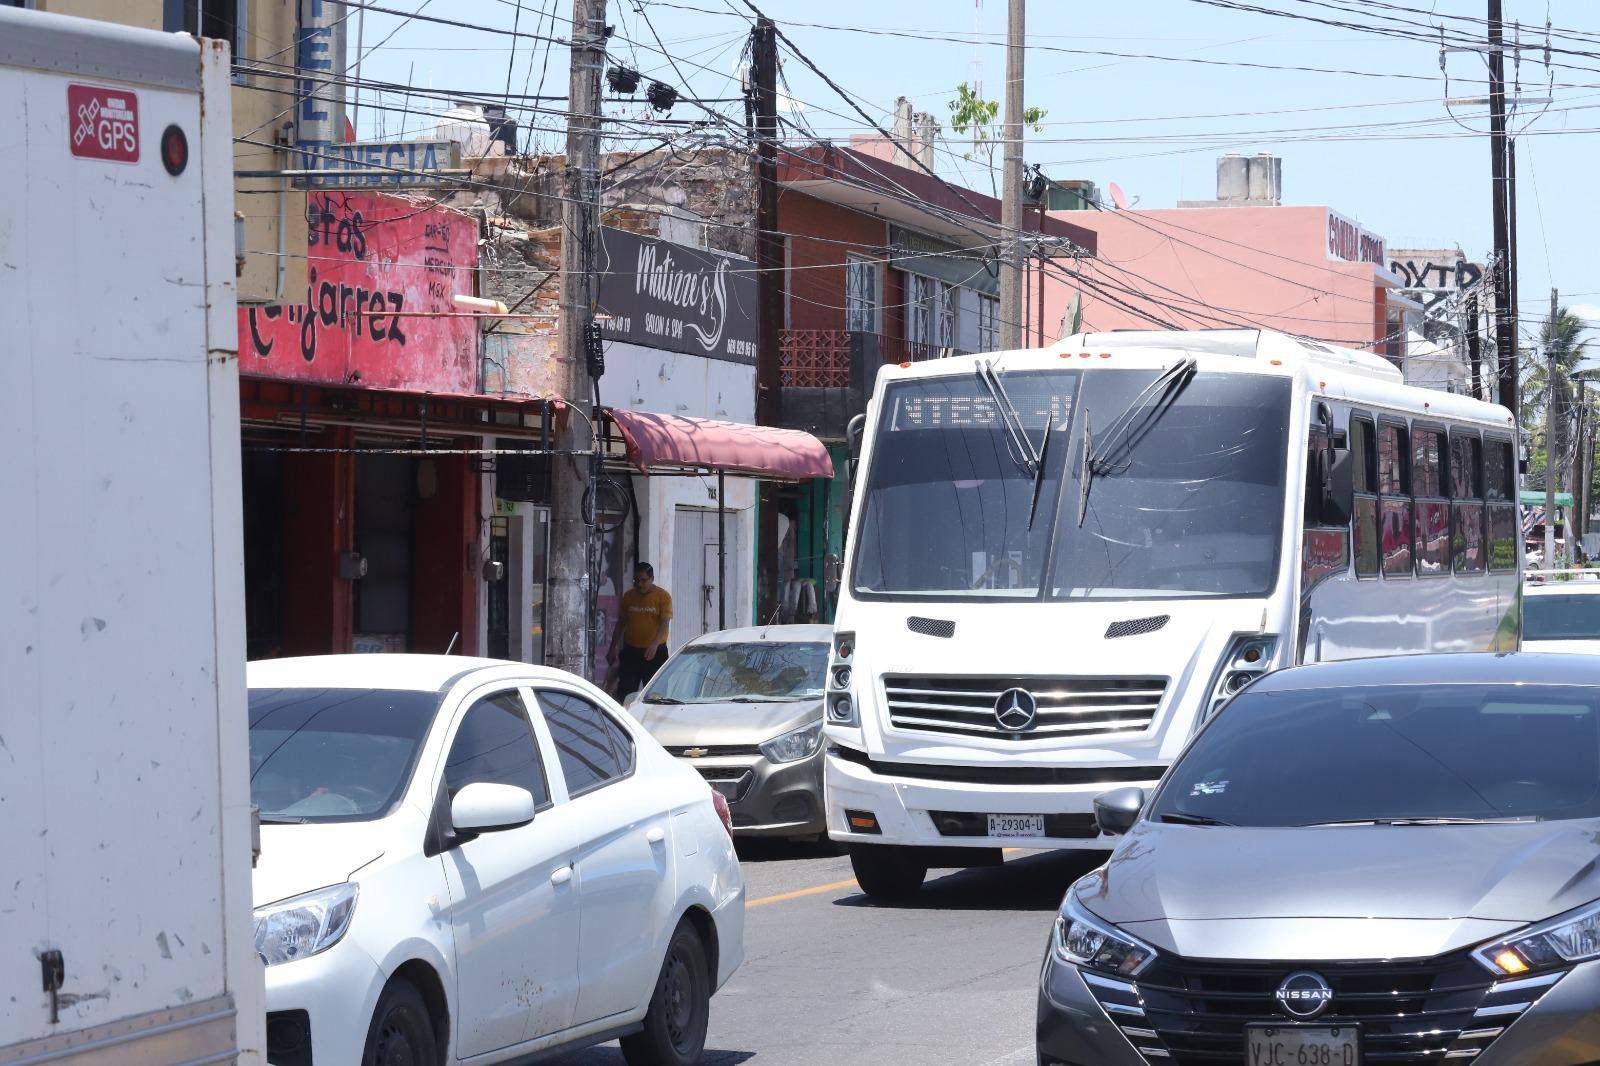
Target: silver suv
x,y
1384,861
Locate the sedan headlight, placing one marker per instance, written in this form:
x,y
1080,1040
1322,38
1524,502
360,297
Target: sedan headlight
x,y
1084,940
299,927
794,745
1572,937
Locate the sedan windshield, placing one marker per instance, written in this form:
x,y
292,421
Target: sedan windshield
x,y
756,671
1392,754
333,754
1561,616
1153,485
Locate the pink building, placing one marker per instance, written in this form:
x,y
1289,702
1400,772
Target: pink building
x,y
1243,259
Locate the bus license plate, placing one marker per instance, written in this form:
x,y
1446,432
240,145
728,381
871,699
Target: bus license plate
x,y
1016,825
1297,1045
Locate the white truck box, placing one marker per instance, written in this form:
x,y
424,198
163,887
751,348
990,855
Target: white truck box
x,y
125,831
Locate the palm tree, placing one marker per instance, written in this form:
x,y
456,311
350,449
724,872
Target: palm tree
x,y
1564,338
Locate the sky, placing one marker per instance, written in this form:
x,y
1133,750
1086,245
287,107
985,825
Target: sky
x,y
1143,93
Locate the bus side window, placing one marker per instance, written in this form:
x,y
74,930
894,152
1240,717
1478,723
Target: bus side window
x,y
1466,490
1394,504
1364,523
1498,482
1428,481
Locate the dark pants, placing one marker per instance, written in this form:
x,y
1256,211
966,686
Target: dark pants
x,y
635,671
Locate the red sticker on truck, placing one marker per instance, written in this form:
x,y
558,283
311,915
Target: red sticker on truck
x,y
104,123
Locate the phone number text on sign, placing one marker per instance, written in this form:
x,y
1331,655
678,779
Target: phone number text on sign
x,y
103,123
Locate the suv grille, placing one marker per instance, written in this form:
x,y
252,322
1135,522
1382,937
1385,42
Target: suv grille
x,y
1188,1012
1067,706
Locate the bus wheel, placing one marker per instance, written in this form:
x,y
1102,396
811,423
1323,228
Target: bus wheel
x,y
886,871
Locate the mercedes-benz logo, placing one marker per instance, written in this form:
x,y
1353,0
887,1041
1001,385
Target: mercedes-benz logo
x,y
1015,710
1303,995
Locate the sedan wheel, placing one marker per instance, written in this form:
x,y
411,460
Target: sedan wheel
x,y
674,1032
402,1031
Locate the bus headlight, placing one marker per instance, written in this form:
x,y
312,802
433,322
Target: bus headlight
x,y
841,704
1249,656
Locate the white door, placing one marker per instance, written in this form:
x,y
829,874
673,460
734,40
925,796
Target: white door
x,y
624,867
695,572
514,904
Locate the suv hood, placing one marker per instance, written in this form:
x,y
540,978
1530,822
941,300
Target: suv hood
x,y
1342,892
676,725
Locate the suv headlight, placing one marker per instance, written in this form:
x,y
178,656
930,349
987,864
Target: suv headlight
x,y
794,745
301,926
1084,940
1572,937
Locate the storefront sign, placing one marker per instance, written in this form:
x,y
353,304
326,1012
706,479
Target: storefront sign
x,y
396,164
662,295
378,308
1350,242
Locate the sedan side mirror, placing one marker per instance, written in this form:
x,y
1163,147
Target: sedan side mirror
x,y
1117,810
483,807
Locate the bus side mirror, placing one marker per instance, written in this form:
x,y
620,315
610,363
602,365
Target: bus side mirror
x,y
853,432
1338,486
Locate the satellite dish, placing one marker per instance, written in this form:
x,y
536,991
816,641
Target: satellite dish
x,y
1117,196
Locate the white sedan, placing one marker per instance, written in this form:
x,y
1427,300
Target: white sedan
x,y
1562,615
471,860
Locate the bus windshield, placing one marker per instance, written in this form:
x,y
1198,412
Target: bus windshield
x,y
1185,493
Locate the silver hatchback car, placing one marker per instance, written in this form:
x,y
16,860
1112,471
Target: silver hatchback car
x,y
1384,861
744,708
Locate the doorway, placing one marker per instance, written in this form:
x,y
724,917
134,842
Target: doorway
x,y
695,578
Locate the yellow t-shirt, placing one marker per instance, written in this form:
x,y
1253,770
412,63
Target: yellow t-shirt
x,y
643,613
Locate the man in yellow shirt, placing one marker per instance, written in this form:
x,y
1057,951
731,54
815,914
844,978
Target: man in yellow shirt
x,y
640,638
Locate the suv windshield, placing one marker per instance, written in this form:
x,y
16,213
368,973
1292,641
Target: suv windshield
x,y
1561,616
758,671
1392,753
1187,494
333,754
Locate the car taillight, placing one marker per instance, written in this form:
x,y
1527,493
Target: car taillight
x,y
720,802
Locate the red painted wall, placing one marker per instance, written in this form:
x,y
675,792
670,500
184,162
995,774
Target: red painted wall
x,y
816,267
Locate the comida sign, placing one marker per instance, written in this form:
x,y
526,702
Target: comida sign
x,y
662,295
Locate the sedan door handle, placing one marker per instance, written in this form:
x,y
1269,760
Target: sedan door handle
x,y
561,875
655,834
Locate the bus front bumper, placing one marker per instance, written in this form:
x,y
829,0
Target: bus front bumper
x,y
913,810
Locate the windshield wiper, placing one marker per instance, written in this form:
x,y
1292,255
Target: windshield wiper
x,y
1038,470
1021,448
1181,818
1423,821
757,699
1125,431
283,820
662,699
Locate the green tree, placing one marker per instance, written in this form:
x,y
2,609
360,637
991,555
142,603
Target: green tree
x,y
971,113
1565,338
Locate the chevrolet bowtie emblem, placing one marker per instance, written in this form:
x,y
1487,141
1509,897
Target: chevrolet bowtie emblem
x,y
695,753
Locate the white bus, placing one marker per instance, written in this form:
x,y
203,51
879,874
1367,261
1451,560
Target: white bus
x,y
1062,560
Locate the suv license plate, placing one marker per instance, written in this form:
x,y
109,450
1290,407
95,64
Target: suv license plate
x,y
1016,825
1299,1045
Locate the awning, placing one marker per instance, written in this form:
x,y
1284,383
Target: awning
x,y
709,444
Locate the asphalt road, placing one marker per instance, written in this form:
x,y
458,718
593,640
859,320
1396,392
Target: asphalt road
x,y
830,977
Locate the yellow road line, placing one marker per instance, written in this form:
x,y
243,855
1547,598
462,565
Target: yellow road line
x,y
784,897
817,890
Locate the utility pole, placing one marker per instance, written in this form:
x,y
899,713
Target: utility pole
x,y
1552,462
1504,323
570,609
1011,277
769,264
1474,354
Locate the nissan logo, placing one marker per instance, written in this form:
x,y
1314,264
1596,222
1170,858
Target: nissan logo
x,y
1303,995
1015,710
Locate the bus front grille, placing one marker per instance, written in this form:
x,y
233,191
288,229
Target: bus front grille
x,y
1067,707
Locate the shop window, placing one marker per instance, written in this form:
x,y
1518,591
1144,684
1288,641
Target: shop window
x,y
860,294
1364,532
